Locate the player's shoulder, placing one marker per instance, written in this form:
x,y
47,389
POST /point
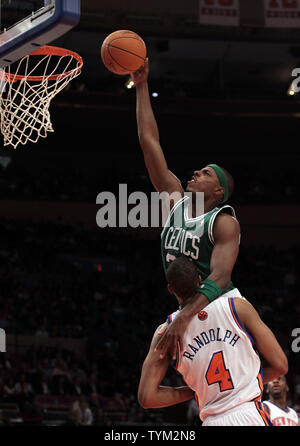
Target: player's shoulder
x,y
226,223
242,304
224,209
244,310
266,403
266,406
293,412
222,214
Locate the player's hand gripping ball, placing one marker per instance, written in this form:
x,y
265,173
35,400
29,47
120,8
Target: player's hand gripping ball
x,y
123,52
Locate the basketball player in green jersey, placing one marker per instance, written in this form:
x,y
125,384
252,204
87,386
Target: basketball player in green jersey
x,y
210,239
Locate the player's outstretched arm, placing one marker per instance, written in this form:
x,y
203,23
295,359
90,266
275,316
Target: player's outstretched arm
x,y
276,362
162,178
224,255
151,394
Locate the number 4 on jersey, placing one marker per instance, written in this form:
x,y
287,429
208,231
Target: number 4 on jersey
x,y
217,372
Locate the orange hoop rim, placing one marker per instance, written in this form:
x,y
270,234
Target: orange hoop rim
x,y
48,50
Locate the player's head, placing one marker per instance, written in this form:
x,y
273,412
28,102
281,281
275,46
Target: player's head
x,y
183,278
277,388
215,181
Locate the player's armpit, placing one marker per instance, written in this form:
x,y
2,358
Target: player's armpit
x,y
161,177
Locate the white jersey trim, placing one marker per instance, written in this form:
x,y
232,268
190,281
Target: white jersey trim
x,y
212,221
191,220
176,205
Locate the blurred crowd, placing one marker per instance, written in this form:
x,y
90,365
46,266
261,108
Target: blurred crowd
x,y
48,288
44,378
83,182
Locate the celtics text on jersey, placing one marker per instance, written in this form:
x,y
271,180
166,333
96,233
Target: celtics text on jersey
x,y
192,237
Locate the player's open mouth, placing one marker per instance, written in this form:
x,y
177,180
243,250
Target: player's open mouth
x,y
193,180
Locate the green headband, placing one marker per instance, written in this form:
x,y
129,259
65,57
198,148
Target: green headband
x,y
222,180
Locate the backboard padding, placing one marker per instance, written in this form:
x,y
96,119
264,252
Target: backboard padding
x,y
43,26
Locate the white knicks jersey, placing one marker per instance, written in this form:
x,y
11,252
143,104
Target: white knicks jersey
x,y
218,360
280,417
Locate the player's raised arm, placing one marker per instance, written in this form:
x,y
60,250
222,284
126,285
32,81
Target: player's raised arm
x,y
275,363
162,178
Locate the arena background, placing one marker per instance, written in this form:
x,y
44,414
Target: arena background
x,y
78,303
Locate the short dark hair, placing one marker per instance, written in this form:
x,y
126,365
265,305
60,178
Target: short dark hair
x,y
182,276
230,181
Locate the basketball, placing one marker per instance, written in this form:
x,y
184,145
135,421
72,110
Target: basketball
x,y
123,52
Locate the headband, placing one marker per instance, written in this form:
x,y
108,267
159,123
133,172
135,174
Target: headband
x,y
222,179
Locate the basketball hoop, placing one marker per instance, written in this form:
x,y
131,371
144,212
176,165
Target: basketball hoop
x,y
26,93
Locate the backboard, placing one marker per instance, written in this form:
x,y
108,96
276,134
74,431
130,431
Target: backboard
x,y
26,25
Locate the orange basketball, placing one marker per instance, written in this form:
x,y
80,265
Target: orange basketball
x,y
123,52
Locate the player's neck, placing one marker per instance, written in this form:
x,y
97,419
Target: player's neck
x,y
208,206
280,402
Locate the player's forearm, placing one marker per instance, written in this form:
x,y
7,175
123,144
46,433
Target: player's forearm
x,y
200,301
221,277
167,396
193,306
146,123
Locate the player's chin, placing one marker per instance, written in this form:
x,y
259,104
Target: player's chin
x,y
189,188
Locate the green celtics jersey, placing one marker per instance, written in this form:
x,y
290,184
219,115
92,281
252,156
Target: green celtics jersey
x,y
192,237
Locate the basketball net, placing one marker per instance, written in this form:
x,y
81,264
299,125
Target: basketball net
x,y
26,93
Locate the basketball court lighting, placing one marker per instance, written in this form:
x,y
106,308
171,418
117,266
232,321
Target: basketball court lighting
x,y
293,88
129,84
291,91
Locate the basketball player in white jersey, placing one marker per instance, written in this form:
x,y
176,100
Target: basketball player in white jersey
x,y
280,414
218,361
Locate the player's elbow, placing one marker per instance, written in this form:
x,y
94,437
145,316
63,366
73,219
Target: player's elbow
x,y
144,404
148,397
284,366
281,366
144,399
148,139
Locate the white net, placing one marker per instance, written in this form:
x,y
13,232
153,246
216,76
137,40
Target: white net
x,y
28,88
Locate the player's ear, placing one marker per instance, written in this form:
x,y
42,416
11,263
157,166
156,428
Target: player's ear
x,y
170,289
219,192
199,279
